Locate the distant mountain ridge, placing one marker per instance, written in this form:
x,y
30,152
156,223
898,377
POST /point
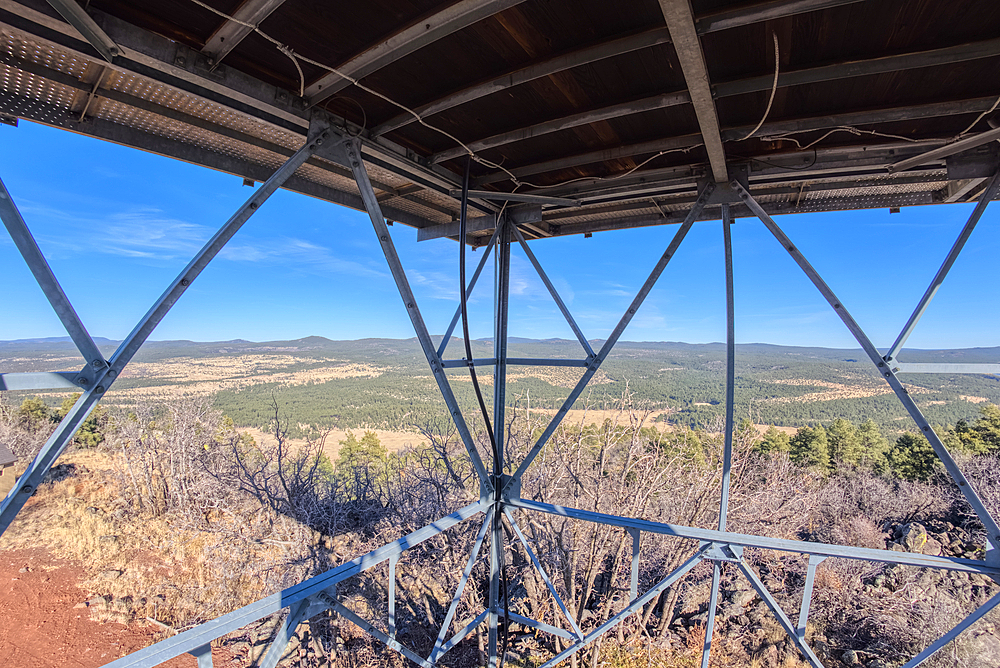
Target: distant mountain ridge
x,y
975,354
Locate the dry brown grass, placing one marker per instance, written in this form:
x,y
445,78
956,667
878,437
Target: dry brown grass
x,y
162,568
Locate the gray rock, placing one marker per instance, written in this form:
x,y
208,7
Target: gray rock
x,y
758,612
932,547
743,598
729,610
851,658
877,663
913,537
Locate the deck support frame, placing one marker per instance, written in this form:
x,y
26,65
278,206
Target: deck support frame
x,y
499,490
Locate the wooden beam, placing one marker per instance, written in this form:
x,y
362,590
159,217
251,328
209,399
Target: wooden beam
x,y
873,116
228,35
843,70
858,68
567,122
426,31
536,70
680,22
764,11
601,155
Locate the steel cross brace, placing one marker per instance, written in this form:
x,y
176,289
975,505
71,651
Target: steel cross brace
x,y
104,374
609,344
348,151
992,529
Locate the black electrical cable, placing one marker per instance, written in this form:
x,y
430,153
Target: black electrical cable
x,y
497,464
465,314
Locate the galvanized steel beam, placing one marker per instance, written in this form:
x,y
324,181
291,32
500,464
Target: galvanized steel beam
x,y
944,367
763,542
106,375
680,21
644,105
46,280
988,196
351,149
77,17
314,586
764,11
970,494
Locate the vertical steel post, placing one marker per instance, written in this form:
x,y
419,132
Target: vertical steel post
x,y
814,561
633,589
500,343
992,529
988,195
56,443
392,595
494,600
204,655
502,249
727,451
713,601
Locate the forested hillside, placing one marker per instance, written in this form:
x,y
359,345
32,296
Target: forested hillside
x,y
385,383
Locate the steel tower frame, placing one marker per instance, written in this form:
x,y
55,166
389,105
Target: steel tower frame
x,y
500,491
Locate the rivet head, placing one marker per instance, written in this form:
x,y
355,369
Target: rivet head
x,y
253,205
84,382
185,282
27,489
409,304
99,389
384,238
96,364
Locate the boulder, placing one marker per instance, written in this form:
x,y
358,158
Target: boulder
x,y
851,658
743,598
913,537
932,547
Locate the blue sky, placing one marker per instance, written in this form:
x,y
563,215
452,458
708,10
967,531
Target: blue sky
x,y
117,224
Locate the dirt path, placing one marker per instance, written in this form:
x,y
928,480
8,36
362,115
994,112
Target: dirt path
x,y
44,621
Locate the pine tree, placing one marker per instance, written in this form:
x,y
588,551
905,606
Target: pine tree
x,y
873,447
912,457
845,443
811,448
773,441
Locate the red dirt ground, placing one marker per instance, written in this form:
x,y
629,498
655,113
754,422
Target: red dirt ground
x,y
40,627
